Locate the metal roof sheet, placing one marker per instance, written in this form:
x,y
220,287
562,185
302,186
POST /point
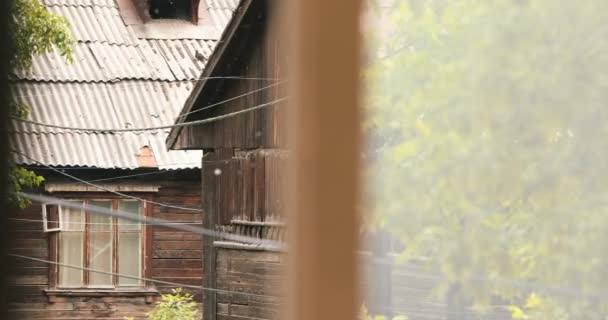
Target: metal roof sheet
x,y
97,62
181,56
96,23
81,3
221,11
101,105
107,151
116,80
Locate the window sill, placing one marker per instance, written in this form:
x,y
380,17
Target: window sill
x,y
56,295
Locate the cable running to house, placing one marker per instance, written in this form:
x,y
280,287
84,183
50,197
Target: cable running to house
x,y
149,84
163,168
181,116
165,171
86,97
267,244
176,125
139,278
94,223
106,189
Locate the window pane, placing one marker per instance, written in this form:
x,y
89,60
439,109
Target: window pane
x,y
71,248
129,206
129,245
101,246
129,258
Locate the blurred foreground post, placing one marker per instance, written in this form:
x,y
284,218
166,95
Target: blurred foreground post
x,y
323,224
4,236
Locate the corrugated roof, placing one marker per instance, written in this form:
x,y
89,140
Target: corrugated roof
x,y
82,3
101,62
221,11
95,23
122,104
181,56
98,150
116,80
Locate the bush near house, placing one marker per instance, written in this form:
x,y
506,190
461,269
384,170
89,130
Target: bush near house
x,y
174,306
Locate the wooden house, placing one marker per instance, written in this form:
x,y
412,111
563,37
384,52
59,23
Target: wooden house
x,y
135,64
244,165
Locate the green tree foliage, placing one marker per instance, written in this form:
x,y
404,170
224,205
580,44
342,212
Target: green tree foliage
x,y
364,315
175,306
487,125
34,31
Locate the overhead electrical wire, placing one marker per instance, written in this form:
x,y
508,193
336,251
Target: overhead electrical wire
x,y
94,223
230,99
269,244
162,168
103,188
87,97
176,284
148,83
176,125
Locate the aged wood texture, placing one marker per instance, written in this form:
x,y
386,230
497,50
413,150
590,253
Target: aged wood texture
x,y
248,186
254,52
257,272
174,256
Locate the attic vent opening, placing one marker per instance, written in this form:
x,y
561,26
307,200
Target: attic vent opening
x,y
172,9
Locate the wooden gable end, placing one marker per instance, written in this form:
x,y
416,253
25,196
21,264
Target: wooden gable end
x,y
252,56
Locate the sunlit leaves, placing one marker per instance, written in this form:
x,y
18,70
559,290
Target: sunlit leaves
x,y
36,31
22,179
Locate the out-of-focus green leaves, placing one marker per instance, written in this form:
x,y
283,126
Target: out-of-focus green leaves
x,y
487,152
34,31
22,179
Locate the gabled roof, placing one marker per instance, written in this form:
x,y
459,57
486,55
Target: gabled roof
x,y
234,29
117,80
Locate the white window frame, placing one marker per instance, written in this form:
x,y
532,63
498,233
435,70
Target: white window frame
x,y
45,222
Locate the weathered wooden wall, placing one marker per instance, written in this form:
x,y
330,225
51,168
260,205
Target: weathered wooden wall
x,y
176,257
254,55
246,185
257,272
245,166
245,195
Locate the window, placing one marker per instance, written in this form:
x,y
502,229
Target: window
x,y
171,9
100,243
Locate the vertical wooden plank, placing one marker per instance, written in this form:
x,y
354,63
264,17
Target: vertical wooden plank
x,y
148,210
213,202
324,105
87,243
115,251
259,186
53,250
209,221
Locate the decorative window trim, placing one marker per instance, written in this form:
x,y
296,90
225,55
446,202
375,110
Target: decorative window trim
x,y
146,288
55,295
114,187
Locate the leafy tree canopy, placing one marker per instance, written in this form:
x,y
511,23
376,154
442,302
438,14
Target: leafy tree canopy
x,y
487,152
34,31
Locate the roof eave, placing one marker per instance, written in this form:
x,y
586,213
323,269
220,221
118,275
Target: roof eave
x,y
227,37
